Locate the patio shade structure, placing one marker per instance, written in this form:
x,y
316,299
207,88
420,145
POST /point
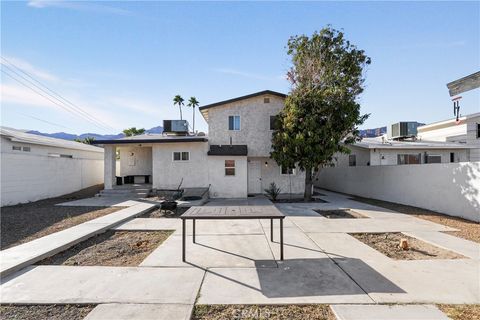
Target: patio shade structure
x,y
232,212
464,84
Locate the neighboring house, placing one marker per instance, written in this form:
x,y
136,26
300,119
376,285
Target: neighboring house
x,y
233,159
466,130
380,151
35,167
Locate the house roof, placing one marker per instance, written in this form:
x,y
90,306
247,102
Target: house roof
x,y
248,96
376,143
228,150
153,138
20,136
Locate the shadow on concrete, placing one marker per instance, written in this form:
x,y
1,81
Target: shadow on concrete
x,y
320,277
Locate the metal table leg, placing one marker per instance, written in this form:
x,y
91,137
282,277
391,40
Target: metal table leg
x,y
193,237
281,239
271,230
183,239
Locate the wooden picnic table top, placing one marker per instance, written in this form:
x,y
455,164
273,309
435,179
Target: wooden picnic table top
x,y
233,212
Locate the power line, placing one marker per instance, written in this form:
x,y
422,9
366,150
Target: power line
x,y
42,120
62,100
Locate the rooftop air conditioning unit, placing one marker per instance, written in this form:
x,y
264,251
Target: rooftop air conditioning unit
x,y
175,126
402,130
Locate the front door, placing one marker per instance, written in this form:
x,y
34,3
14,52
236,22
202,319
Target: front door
x,y
254,177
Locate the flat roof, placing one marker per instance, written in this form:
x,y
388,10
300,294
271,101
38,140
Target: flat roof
x,y
153,138
376,143
20,136
449,122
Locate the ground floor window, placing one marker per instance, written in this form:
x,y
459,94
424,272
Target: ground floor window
x,y
287,170
408,159
181,156
229,167
434,158
352,160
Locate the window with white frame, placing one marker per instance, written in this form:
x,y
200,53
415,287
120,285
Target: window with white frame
x,y
16,148
229,167
434,158
234,123
352,160
26,149
287,170
408,158
181,156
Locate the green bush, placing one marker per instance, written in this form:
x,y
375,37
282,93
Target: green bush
x,y
273,191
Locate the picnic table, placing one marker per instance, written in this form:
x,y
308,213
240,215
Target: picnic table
x,y
232,212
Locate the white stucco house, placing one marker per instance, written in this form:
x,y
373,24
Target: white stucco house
x,y
34,167
233,159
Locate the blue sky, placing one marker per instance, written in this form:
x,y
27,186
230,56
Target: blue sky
x,y
122,62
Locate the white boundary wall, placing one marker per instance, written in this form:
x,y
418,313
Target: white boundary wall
x,y
450,188
31,177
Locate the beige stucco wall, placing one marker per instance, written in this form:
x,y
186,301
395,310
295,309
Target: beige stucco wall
x,y
135,160
254,124
270,172
167,174
223,186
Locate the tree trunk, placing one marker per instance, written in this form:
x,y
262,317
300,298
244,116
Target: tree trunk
x,y
193,120
180,107
307,196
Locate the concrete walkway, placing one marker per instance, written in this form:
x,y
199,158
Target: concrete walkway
x,y
390,312
20,256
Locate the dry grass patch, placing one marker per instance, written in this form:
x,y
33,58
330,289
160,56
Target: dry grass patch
x,y
250,312
43,312
26,222
340,214
112,248
461,311
389,245
467,229
158,213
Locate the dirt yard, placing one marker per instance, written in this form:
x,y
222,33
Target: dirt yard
x,y
462,311
157,213
467,229
340,214
290,312
44,312
112,248
388,244
25,222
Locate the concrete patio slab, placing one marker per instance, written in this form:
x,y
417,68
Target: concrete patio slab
x,y
95,285
225,227
298,281
390,312
233,251
297,245
143,311
251,201
313,224
464,247
151,224
18,257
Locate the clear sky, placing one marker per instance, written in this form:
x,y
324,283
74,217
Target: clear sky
x,y
123,62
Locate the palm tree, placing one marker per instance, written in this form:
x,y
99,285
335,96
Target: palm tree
x,y
193,102
89,140
178,100
133,131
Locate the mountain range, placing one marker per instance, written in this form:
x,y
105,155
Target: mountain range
x,y
365,133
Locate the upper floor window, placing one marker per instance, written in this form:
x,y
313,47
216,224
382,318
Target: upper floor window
x,y
234,123
352,160
274,122
408,158
16,148
181,156
27,149
266,100
287,170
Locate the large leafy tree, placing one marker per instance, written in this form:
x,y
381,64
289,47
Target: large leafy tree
x,y
193,102
133,131
86,140
178,100
322,112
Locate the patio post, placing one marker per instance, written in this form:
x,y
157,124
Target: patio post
x,y
110,162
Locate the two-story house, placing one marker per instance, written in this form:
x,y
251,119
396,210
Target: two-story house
x,y
233,159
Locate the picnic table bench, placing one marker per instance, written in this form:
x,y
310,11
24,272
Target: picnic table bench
x,y
232,212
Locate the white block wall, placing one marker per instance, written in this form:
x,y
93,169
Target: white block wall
x,y
450,188
32,176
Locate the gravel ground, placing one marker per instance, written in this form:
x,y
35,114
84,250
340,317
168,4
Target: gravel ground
x,y
25,222
388,244
157,213
44,312
467,229
340,214
112,248
461,311
247,312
